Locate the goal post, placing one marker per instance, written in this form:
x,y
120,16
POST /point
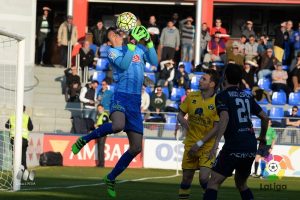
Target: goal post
x,y
10,42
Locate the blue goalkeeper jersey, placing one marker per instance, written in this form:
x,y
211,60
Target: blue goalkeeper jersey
x,y
128,67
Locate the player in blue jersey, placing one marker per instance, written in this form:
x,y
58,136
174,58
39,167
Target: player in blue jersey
x,y
128,62
235,108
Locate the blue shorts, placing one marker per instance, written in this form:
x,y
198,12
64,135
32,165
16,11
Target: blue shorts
x,y
130,105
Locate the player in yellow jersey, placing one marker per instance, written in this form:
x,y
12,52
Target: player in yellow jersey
x,y
201,126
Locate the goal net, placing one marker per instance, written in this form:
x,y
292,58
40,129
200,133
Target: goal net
x,y
11,103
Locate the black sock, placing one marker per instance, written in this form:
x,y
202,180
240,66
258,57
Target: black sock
x,y
247,194
256,167
210,194
203,185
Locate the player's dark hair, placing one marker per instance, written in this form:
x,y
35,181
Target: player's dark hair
x,y
233,73
214,76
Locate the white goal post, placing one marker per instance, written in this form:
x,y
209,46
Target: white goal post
x,y
9,41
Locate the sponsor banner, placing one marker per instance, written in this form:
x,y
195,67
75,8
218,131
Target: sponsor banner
x,y
114,148
167,154
35,149
88,156
163,154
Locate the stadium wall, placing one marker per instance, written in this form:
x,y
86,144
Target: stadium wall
x,y
157,153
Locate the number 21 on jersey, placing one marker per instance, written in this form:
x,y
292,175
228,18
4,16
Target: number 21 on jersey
x,y
243,110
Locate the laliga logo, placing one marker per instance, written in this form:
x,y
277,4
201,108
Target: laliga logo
x,y
276,166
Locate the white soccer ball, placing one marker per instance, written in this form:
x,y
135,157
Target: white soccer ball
x,y
126,21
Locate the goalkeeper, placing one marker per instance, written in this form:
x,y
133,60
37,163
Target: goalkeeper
x,y
128,62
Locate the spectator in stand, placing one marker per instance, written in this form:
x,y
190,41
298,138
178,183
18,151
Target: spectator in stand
x,y
158,101
169,41
166,74
99,33
73,85
67,34
289,28
181,77
86,59
279,79
260,94
279,35
292,121
205,38
44,31
296,42
241,44
248,74
216,50
104,96
263,44
187,39
145,100
154,31
251,48
267,64
234,56
187,91
175,20
88,98
287,49
247,29
295,63
296,77
218,28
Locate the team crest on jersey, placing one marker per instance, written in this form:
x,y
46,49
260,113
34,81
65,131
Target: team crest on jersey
x,y
194,101
136,58
112,55
211,107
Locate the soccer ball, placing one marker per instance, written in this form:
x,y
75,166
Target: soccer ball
x,y
126,21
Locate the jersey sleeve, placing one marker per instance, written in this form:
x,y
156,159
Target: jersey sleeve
x,y
113,55
221,103
255,108
184,107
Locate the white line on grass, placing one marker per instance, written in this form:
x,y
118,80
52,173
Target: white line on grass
x,y
98,184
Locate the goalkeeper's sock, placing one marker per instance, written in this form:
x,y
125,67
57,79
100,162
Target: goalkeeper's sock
x,y
210,194
121,165
263,167
184,191
255,167
247,194
102,131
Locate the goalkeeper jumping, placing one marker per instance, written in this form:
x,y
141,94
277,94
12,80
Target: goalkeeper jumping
x,y
128,63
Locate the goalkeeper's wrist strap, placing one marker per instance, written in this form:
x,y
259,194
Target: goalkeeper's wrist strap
x,y
131,46
200,143
150,44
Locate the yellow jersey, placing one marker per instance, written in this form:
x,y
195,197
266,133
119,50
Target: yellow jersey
x,y
202,116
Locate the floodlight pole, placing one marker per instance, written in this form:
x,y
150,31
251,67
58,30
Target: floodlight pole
x,y
198,32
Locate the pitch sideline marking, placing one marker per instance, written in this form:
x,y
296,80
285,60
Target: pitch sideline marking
x,y
98,184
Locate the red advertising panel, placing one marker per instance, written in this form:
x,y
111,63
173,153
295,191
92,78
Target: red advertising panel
x,y
88,156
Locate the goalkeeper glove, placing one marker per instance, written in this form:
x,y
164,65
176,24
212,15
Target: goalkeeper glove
x,y
147,38
137,34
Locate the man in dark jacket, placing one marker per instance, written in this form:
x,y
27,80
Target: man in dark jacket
x,y
99,33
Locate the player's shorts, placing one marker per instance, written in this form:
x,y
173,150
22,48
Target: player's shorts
x,y
263,150
201,160
130,105
226,162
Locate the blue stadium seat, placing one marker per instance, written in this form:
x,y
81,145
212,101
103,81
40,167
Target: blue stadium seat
x,y
177,93
198,73
276,113
111,87
165,90
219,64
294,98
93,47
265,84
188,67
148,90
265,109
195,81
256,122
279,98
289,112
285,67
170,122
174,105
102,64
263,101
151,75
100,76
248,91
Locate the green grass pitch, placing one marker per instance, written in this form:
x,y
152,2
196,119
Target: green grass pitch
x,y
84,183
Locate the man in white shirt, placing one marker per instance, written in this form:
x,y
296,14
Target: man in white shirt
x,y
88,98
